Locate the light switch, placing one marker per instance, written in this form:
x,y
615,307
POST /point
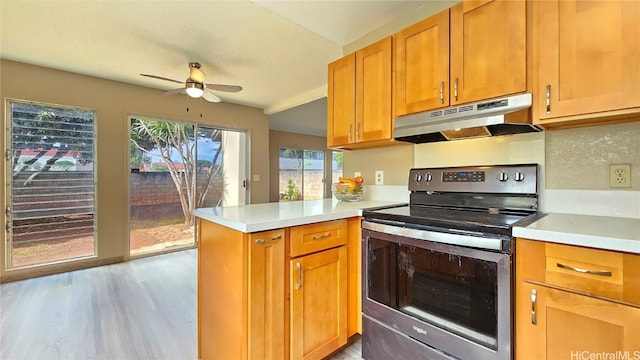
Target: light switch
x,y
256,177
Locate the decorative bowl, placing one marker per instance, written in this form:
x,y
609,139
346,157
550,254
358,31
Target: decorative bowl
x,y
348,191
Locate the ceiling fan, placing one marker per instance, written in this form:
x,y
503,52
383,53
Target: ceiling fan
x,y
195,86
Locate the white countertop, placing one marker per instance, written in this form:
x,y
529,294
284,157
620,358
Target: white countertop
x,y
602,232
268,216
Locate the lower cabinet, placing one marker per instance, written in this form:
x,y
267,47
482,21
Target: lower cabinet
x,y
266,290
318,288
241,293
289,293
575,302
559,324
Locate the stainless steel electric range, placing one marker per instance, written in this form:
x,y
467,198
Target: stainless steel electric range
x,y
437,273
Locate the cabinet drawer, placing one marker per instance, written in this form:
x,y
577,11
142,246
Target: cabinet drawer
x,y
604,273
593,271
306,239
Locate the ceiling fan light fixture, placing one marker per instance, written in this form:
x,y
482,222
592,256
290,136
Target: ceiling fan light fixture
x,y
194,89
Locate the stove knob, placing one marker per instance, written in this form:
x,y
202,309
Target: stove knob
x,y
429,177
503,176
518,176
418,177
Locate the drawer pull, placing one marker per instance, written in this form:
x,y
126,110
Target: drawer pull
x,y
299,284
262,241
534,298
584,271
320,237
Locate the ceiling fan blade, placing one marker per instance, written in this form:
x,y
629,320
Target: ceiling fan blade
x,y
227,88
209,96
176,91
162,78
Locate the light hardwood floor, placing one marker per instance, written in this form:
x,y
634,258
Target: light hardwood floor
x,y
142,309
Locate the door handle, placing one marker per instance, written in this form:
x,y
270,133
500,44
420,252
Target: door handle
x,y
455,89
548,99
299,284
534,299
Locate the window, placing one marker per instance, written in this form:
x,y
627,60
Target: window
x,y
51,210
336,166
301,174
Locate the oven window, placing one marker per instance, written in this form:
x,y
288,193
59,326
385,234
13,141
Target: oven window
x,y
453,292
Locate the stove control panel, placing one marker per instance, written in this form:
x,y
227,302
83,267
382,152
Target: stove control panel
x,y
463,176
504,179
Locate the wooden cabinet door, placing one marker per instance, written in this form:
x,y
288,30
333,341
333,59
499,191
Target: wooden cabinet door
x,y
488,49
587,57
569,325
318,287
422,65
341,101
267,295
373,92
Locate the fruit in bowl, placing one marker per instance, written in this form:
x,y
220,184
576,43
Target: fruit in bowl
x,y
349,189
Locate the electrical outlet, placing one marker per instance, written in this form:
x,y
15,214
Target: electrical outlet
x,y
379,177
620,175
357,173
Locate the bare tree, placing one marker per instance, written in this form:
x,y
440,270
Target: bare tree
x,y
177,140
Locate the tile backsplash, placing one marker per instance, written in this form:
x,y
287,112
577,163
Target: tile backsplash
x,y
580,158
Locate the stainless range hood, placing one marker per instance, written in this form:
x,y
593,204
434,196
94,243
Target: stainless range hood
x,y
500,116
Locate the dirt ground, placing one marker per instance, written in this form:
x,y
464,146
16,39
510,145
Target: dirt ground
x,y
143,240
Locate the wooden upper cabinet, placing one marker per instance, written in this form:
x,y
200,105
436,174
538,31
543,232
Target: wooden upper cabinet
x,y
422,65
373,92
359,98
587,61
341,87
488,50
473,51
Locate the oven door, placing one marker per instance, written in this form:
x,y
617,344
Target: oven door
x,y
453,299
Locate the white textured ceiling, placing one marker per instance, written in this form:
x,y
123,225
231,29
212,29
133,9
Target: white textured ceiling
x,y
277,51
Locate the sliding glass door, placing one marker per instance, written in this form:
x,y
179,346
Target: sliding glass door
x,y
176,168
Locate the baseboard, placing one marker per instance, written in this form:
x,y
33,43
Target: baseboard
x,y
44,270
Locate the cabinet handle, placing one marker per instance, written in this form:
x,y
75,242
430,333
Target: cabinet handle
x,y
548,99
534,298
358,131
262,241
584,271
299,284
350,132
441,92
455,89
319,237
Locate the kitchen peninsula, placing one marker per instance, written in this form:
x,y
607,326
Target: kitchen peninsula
x,y
279,280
